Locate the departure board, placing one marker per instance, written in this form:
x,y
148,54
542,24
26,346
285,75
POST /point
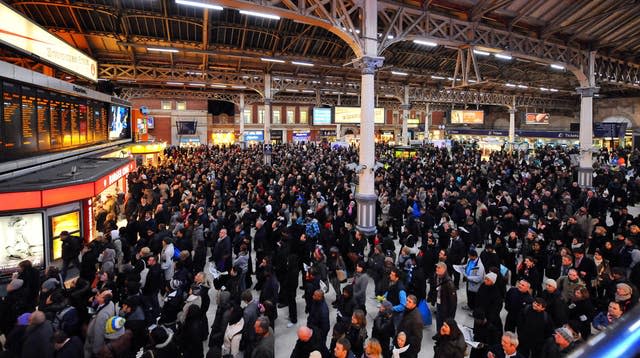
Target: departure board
x,y
75,122
44,121
82,122
29,120
91,123
65,120
56,121
11,117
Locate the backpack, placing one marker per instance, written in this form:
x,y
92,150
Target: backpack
x,y
176,254
312,230
143,274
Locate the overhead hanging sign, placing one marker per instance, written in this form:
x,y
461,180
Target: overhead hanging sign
x,y
21,33
467,117
537,118
351,115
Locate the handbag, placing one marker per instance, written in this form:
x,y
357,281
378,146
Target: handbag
x,y
341,275
425,312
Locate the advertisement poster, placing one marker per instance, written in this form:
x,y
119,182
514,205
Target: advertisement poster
x,y
21,238
537,118
467,117
119,127
65,222
351,115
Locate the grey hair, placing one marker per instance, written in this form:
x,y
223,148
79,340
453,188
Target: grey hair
x,y
513,338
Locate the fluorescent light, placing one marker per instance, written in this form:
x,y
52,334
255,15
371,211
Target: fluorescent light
x,y
544,89
399,73
510,85
175,83
292,90
557,67
523,86
553,90
194,73
437,77
298,63
503,56
482,53
352,94
308,91
472,81
426,43
199,4
390,37
172,50
219,86
259,14
239,87
197,84
450,78
265,59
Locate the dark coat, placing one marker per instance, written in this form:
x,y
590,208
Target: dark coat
x,y
319,317
446,347
72,349
411,325
37,341
317,342
265,347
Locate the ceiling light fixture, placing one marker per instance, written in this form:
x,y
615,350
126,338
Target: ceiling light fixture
x,y
199,4
265,59
239,87
399,73
426,43
433,77
260,14
544,89
557,67
197,84
219,86
157,49
503,56
308,91
481,53
553,90
510,85
298,63
175,83
523,86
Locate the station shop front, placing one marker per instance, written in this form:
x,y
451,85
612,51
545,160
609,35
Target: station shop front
x,y
35,208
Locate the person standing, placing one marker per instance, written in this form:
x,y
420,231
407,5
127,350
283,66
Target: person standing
x,y
104,309
265,346
397,295
71,246
38,337
411,325
443,295
166,259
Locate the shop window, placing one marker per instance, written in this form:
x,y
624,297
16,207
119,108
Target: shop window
x,y
247,116
181,105
304,116
261,114
291,116
165,105
275,114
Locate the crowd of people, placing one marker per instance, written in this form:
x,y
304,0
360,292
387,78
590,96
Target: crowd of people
x,y
513,232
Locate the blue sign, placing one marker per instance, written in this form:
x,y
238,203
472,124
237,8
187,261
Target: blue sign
x,y
254,136
321,116
548,134
609,129
300,136
267,149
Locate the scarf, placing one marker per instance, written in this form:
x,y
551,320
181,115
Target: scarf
x,y
397,351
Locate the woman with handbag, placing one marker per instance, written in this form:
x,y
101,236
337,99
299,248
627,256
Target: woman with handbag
x,y
336,270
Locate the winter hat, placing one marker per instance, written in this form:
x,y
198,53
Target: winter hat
x,y
491,276
15,284
23,319
114,327
565,333
388,306
551,282
50,284
315,354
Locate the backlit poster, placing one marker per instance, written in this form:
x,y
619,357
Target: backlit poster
x,y
537,118
467,117
21,238
64,222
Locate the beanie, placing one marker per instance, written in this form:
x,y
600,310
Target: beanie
x,y
491,276
566,334
114,327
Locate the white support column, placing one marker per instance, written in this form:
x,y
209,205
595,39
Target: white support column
x,y
241,139
427,125
406,106
267,116
512,127
585,170
369,62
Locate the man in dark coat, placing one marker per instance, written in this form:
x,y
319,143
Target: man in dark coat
x,y
250,314
443,295
411,325
309,340
534,327
153,285
319,314
489,300
37,337
71,246
516,299
265,345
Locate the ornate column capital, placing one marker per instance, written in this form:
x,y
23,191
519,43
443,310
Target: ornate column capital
x,y
268,101
405,107
368,64
587,91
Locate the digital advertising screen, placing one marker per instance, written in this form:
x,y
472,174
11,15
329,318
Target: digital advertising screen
x,y
321,116
467,117
351,115
119,122
186,127
64,222
537,118
21,238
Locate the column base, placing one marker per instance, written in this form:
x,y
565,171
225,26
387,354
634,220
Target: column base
x,y
366,222
585,177
267,159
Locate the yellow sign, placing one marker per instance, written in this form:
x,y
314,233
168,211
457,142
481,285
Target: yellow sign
x,y
21,33
66,222
350,115
413,122
467,117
